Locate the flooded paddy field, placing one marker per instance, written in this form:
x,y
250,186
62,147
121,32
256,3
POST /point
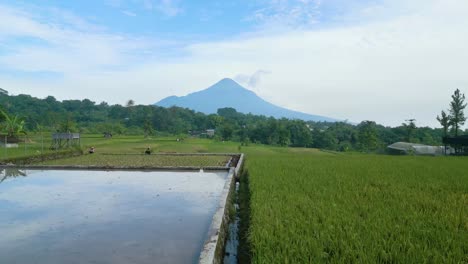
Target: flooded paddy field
x,y
72,216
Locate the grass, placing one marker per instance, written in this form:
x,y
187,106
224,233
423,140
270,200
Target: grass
x,y
138,144
309,206
30,145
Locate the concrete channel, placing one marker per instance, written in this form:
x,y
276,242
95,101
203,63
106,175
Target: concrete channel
x,y
213,249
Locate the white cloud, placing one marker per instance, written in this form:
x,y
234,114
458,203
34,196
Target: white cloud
x,y
286,13
251,80
71,47
168,8
405,65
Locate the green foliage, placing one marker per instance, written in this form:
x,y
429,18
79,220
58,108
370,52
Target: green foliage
x,y
310,208
228,112
367,135
67,125
444,121
130,103
225,131
86,116
12,126
410,128
148,128
457,115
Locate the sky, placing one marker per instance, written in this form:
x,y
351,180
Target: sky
x,y
381,60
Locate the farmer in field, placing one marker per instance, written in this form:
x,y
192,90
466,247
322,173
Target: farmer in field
x,y
91,150
148,151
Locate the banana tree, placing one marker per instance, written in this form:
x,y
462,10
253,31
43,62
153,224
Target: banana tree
x,y
13,126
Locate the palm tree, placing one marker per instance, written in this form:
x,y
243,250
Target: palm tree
x,y
13,126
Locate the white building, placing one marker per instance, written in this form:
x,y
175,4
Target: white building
x,y
210,132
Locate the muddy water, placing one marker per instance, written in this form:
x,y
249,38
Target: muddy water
x,y
105,217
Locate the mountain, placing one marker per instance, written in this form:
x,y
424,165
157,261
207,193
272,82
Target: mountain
x,y
228,93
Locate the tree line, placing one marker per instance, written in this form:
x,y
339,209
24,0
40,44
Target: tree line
x,y
86,116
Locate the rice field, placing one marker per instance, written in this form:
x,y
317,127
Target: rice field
x,y
142,161
309,208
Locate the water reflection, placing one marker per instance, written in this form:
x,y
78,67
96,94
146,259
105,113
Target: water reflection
x,y
11,172
106,217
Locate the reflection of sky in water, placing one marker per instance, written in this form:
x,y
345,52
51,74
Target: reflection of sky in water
x,y
106,217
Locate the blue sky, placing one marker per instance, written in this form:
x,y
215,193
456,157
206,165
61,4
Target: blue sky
x,y
192,20
168,19
348,59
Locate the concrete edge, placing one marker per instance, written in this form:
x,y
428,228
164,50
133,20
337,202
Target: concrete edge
x,y
173,154
240,162
213,248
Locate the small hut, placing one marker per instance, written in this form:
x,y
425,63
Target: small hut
x,y
65,140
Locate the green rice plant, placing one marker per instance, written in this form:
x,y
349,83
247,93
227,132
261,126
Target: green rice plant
x,y
308,208
142,161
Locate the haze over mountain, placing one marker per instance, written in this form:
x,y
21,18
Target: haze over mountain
x,y
228,93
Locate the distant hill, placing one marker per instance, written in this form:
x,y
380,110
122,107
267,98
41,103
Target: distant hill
x,y
228,93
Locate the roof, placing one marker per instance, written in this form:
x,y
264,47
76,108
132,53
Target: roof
x,y
460,140
404,146
418,149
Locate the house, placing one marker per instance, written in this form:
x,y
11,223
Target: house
x,y
210,132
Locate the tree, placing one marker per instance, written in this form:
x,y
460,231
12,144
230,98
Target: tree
x,y
148,128
325,140
228,112
299,133
226,131
444,121
13,126
409,127
367,135
130,103
67,125
457,116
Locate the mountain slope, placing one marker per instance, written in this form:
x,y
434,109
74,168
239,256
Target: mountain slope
x,y
228,93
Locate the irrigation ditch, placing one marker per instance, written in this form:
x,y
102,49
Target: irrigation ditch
x,y
226,240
